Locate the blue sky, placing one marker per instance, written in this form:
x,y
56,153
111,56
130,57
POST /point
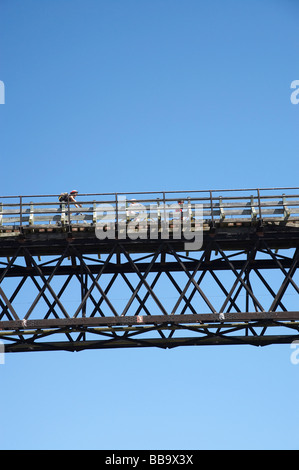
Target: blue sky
x,y
144,95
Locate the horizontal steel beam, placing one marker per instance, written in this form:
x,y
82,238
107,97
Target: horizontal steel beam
x,y
163,343
229,238
169,266
149,320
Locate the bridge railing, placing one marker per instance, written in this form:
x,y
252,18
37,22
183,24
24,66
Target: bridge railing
x,y
211,206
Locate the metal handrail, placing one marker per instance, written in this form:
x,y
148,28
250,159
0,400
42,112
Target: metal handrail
x,y
245,204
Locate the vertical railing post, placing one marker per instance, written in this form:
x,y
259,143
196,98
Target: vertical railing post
x,y
69,214
1,213
158,215
164,227
189,205
21,214
116,213
260,207
222,214
94,213
253,211
286,210
212,209
31,214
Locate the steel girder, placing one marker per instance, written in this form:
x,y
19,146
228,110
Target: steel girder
x,y
165,298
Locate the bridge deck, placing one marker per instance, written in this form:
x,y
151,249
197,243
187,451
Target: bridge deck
x,y
146,218
93,253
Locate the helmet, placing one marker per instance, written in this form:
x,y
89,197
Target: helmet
x,y
74,191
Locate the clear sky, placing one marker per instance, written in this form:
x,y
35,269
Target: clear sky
x,y
142,95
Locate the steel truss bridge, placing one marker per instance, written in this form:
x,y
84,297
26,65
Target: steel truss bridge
x,y
138,281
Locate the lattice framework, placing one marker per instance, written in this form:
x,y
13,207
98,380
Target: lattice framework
x,y
164,298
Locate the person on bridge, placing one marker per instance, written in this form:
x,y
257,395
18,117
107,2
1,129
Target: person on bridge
x,y
65,197
72,199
